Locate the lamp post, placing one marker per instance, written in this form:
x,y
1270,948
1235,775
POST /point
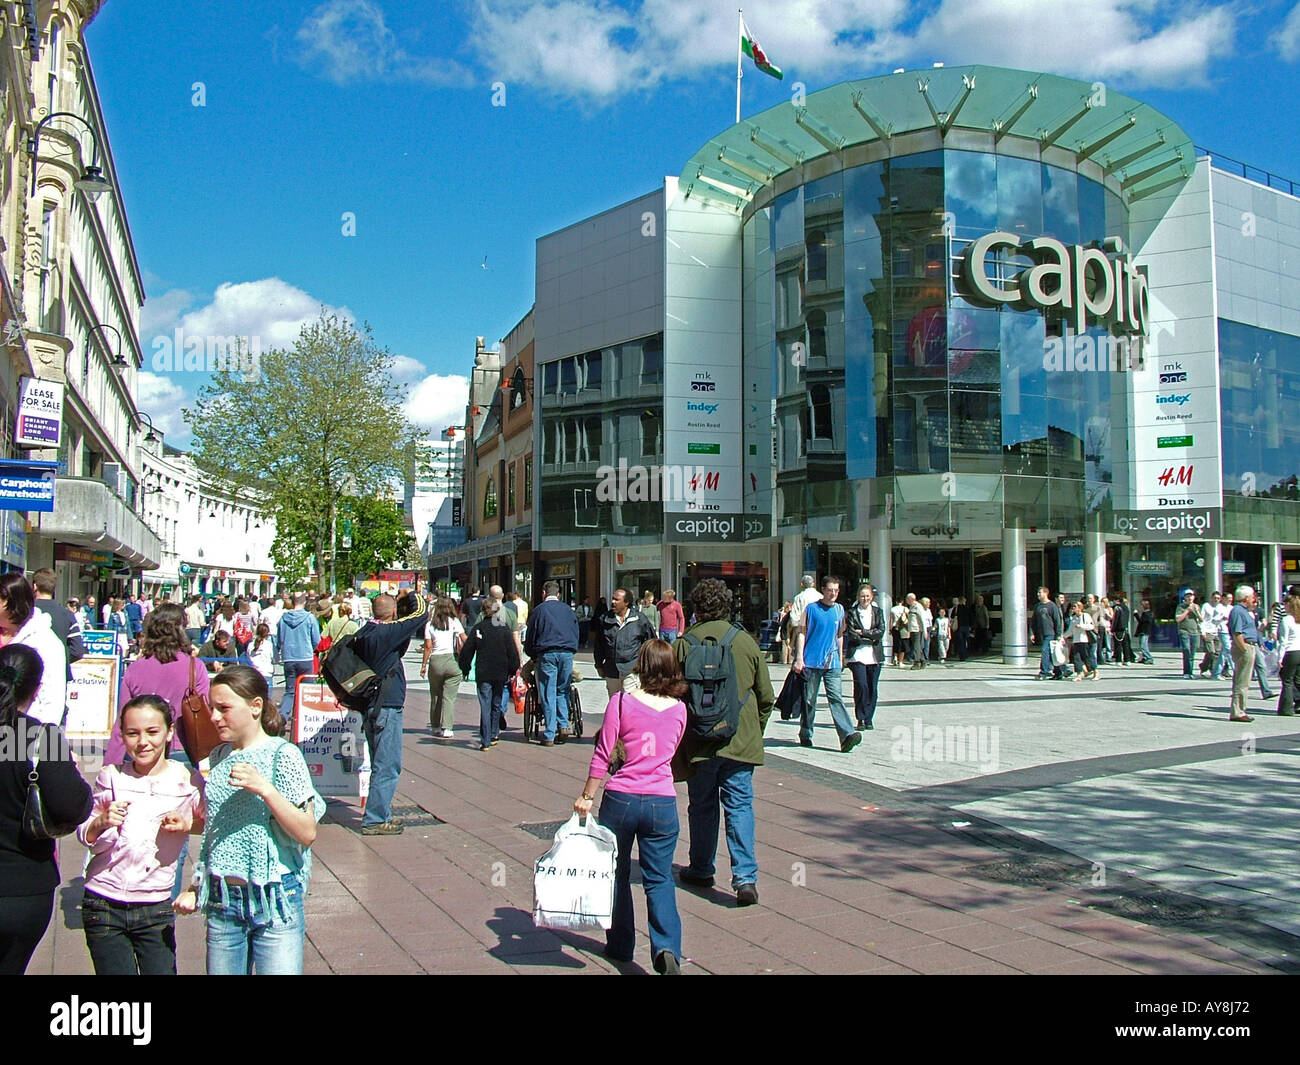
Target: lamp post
x,y
151,436
92,181
119,364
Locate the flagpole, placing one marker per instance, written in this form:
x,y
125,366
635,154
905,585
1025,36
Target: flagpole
x,y
740,70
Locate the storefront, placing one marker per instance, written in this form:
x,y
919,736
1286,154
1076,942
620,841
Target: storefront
x,y
639,570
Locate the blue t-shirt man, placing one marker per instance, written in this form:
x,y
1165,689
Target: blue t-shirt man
x,y
821,648
1242,621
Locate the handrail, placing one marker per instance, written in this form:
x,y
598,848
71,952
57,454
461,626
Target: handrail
x,y
1270,180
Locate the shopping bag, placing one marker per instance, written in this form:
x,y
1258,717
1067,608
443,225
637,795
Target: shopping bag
x,y
1272,659
1060,653
573,883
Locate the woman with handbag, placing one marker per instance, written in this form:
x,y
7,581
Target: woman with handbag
x,y
443,638
1079,631
31,814
261,807
494,651
640,802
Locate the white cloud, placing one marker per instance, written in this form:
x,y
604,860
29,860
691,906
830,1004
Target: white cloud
x,y
437,402
160,314
1287,41
270,309
162,399
349,40
597,51
406,370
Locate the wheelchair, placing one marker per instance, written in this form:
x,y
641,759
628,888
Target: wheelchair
x,y
535,717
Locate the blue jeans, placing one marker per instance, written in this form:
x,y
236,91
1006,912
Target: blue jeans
x,y
490,698
669,635
244,938
866,690
292,671
1187,644
652,821
734,783
812,680
1144,648
1223,667
1261,675
384,736
554,675
1048,668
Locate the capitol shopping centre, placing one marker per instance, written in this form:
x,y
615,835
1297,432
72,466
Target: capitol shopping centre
x,y
957,331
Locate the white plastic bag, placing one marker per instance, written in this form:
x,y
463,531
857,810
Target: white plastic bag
x,y
1060,652
573,882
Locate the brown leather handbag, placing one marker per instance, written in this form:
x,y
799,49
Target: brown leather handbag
x,y
198,733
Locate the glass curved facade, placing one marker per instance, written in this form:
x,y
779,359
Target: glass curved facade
x,y
894,400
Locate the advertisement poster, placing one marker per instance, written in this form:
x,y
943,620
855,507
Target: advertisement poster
x,y
92,697
331,741
40,413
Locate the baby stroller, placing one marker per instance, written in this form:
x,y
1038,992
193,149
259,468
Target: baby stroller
x,y
535,717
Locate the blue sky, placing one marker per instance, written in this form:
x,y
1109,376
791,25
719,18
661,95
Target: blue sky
x,y
384,110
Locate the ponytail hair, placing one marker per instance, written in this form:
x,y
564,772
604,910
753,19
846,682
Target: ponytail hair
x,y
249,684
21,670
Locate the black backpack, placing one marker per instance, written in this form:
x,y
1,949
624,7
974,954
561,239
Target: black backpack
x,y
713,702
354,684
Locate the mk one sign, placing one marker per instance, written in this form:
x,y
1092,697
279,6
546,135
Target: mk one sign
x,y
1086,285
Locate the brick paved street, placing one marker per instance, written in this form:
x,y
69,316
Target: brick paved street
x,y
856,876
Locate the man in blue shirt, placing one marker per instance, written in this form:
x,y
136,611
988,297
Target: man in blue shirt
x,y
1244,633
819,657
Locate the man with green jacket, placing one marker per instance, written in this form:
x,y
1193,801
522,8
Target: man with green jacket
x,y
725,771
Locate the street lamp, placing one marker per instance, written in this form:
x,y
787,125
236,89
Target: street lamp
x,y
92,181
151,436
119,364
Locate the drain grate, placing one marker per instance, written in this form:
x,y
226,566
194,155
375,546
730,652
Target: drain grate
x,y
1161,909
414,816
543,829
1028,869
1126,699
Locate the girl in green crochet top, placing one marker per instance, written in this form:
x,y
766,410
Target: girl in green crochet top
x,y
261,814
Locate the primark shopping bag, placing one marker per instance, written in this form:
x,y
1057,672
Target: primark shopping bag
x,y
573,883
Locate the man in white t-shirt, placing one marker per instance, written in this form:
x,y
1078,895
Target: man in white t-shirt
x,y
809,595
1215,613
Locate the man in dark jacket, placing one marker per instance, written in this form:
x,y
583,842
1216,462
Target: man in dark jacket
x,y
724,772
551,639
66,624
620,632
1046,626
381,645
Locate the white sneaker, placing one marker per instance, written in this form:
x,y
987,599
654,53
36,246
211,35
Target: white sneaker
x,y
447,734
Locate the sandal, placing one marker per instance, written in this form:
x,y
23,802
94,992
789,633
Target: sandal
x,y
1243,719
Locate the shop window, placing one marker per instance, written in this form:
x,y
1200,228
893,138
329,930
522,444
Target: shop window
x,y
528,481
652,361
591,431
550,378
815,247
593,363
569,377
819,405
510,489
651,434
490,499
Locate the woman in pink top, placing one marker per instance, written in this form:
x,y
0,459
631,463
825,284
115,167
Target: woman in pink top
x,y
640,801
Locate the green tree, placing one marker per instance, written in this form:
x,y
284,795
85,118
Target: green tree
x,y
304,427
380,537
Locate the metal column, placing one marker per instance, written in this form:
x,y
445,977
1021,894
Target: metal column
x,y
880,572
1094,563
1015,598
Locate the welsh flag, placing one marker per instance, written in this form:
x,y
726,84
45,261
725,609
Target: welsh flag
x,y
751,48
